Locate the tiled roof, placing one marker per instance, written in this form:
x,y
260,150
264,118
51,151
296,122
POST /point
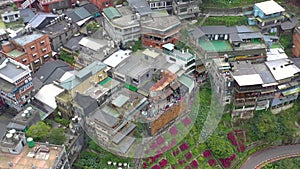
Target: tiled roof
x,y
111,13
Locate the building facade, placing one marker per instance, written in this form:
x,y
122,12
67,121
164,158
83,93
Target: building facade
x,y
160,4
121,25
32,49
160,31
269,15
60,30
10,16
186,9
101,4
296,41
16,83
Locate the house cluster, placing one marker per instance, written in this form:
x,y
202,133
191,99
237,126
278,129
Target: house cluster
x,y
273,84
247,42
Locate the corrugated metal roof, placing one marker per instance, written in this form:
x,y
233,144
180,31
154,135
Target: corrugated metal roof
x,y
188,82
39,18
111,13
82,12
141,6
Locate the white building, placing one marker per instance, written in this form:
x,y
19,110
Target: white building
x,y
10,16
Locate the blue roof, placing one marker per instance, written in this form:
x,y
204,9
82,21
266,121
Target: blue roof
x,y
82,12
39,18
25,39
82,75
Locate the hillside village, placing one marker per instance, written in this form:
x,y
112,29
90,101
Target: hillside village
x,y
137,79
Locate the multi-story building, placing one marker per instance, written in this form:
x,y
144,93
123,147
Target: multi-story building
x,y
32,49
44,5
185,9
222,79
268,15
160,31
101,4
184,59
286,73
160,4
296,41
121,25
10,16
238,42
60,30
16,83
83,80
17,154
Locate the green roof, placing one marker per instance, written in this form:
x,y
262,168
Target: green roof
x,y
15,53
103,82
111,13
130,87
188,82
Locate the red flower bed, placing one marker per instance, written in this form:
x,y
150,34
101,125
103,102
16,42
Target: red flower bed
x,y
188,156
207,153
160,140
194,164
153,146
186,121
155,167
173,142
184,146
226,162
176,152
212,162
145,165
181,162
163,163
239,134
173,131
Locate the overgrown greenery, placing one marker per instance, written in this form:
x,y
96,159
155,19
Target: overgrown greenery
x,y
230,3
287,42
92,26
291,163
57,136
42,132
226,20
65,56
219,146
137,45
94,157
38,132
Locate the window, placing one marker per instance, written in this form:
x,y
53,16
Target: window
x,y
5,18
46,56
34,55
42,42
36,61
32,47
172,59
44,49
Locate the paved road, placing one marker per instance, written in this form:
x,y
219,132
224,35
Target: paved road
x,y
270,153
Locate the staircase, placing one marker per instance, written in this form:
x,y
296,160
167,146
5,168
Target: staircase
x,y
26,3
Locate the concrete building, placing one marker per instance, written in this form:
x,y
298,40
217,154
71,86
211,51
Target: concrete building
x,y
44,5
186,9
101,4
41,155
27,117
16,83
286,73
160,31
268,15
296,41
238,42
184,59
121,25
32,49
222,79
83,80
10,16
60,30
12,143
160,4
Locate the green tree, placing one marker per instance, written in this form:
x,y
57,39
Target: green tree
x,y
38,132
57,136
219,146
